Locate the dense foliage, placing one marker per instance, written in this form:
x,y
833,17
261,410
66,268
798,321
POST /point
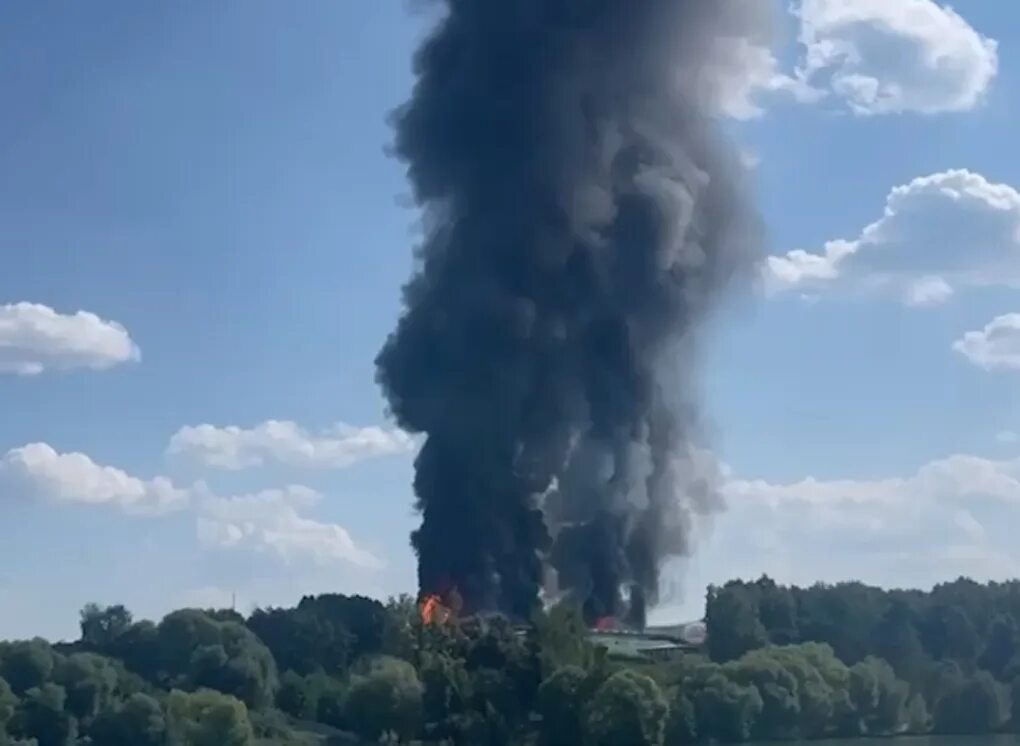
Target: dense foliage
x,y
780,664
947,660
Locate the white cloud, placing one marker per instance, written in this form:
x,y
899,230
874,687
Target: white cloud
x,y
744,73
270,521
927,291
1007,437
950,517
35,338
41,472
801,268
997,346
286,443
937,234
948,481
970,526
894,56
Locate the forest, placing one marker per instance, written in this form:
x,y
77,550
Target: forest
x,y
780,663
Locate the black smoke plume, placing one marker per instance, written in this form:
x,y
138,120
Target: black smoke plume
x,y
581,219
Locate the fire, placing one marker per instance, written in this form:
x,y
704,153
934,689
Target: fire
x,y
432,610
604,624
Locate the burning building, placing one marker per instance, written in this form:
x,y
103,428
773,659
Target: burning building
x,y
582,218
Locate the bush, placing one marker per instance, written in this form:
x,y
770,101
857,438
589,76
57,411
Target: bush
x,y
386,700
627,709
137,722
561,700
208,718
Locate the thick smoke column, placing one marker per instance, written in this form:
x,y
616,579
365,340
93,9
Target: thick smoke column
x,y
581,219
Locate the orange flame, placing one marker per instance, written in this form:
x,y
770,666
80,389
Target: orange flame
x,y
605,624
432,610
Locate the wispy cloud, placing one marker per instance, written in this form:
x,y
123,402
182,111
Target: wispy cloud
x,y
286,443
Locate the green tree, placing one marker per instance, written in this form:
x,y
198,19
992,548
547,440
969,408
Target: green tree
x,y
207,718
27,665
962,634
89,680
726,710
971,706
731,618
446,696
399,639
495,697
329,695
100,627
386,700
41,716
896,640
493,645
198,651
138,647
842,616
1014,691
561,701
180,634
940,679
820,704
917,717
778,689
138,721
627,710
682,724
562,637
878,697
833,672
8,706
777,610
298,696
302,641
948,632
363,618
1000,649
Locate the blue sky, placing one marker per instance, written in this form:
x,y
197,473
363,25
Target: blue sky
x,y
202,245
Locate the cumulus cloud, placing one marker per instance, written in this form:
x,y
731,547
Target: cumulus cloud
x,y
37,470
273,521
952,516
270,521
937,234
35,338
882,57
286,443
996,347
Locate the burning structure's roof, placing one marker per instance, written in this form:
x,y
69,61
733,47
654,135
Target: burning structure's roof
x,y
651,643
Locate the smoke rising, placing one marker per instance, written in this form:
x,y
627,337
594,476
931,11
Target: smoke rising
x,y
582,218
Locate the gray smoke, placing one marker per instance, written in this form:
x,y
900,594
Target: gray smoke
x,y
582,219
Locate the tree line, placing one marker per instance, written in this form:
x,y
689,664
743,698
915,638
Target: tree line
x,y
944,661
780,663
